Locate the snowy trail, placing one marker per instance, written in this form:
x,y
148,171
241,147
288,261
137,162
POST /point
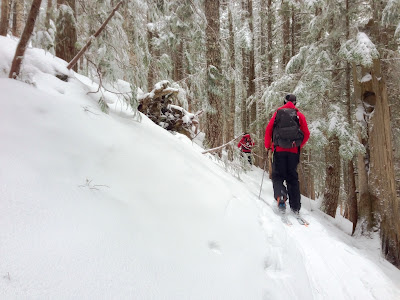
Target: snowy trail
x,y
305,257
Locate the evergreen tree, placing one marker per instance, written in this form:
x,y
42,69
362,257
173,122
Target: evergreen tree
x,y
213,124
66,30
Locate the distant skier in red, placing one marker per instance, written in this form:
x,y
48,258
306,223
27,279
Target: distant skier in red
x,y
245,145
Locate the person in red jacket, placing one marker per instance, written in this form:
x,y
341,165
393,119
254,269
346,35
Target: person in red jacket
x,y
286,156
245,145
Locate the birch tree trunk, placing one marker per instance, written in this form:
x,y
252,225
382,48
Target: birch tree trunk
x,y
214,123
23,42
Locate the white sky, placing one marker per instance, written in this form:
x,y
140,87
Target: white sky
x,y
96,206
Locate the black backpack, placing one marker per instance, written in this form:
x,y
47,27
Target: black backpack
x,y
287,132
246,143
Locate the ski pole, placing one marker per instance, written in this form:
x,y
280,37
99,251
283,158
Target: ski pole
x,y
265,163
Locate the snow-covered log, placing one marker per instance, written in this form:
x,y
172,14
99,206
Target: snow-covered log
x,y
161,105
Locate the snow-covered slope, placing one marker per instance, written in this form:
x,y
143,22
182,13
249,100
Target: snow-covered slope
x,y
96,206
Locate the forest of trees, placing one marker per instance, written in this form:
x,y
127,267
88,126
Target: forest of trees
x,y
237,59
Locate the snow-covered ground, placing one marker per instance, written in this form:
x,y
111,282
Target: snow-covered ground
x,y
96,206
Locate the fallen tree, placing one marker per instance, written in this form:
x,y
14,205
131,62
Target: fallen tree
x,y
162,106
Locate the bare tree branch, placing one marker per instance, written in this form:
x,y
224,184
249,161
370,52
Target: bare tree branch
x,y
220,147
89,42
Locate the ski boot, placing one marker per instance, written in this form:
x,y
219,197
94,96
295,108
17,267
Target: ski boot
x,y
281,203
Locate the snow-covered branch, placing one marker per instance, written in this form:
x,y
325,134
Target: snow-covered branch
x,y
223,146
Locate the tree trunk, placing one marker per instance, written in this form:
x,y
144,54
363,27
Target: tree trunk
x,y
295,29
231,100
150,72
213,128
66,35
365,216
23,42
306,178
332,180
351,195
49,13
4,17
18,12
351,191
269,43
262,155
285,14
251,89
263,41
179,59
245,66
332,157
379,204
381,175
269,66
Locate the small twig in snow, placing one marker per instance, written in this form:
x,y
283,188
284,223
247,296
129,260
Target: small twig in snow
x,y
86,109
94,186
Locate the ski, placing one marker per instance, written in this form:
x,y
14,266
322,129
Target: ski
x,y
301,220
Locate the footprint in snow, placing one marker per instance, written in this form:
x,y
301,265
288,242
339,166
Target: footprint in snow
x,y
213,245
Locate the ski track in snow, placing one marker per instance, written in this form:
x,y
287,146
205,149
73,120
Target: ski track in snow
x,y
313,247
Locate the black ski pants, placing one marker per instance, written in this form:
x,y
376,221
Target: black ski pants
x,y
284,168
248,155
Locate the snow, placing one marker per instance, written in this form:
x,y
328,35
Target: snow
x,y
360,50
366,78
96,206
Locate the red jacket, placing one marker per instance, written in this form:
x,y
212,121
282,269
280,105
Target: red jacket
x,y
270,127
246,143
